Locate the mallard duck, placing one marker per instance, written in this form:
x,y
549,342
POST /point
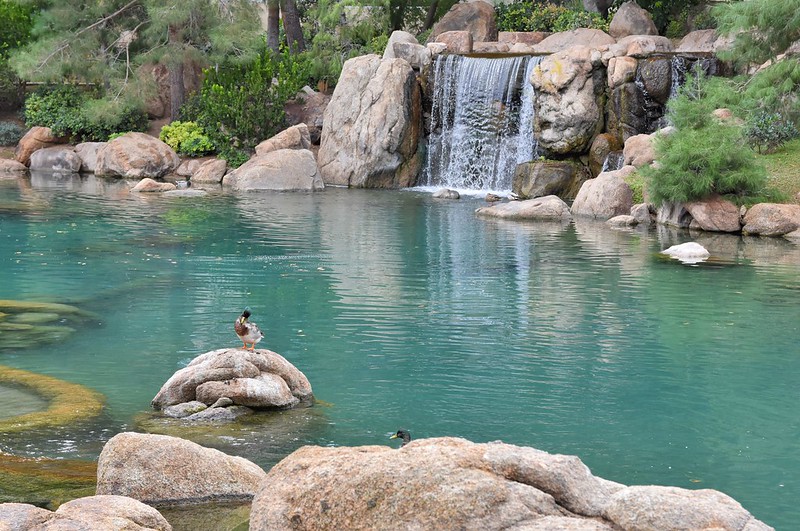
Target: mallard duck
x,y
493,198
402,434
247,331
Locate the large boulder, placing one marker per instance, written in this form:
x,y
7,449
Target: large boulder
x,y
36,138
56,158
630,19
294,137
282,170
12,167
164,470
641,46
549,208
558,42
450,483
771,219
655,75
260,379
542,178
136,155
714,214
210,172
478,18
455,42
83,514
372,127
705,41
569,100
88,151
606,196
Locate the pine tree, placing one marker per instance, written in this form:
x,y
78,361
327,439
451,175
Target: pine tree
x,y
762,29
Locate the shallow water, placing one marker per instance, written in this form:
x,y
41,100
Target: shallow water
x,y
405,311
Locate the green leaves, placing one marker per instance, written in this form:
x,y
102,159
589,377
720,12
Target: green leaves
x,y
186,138
761,29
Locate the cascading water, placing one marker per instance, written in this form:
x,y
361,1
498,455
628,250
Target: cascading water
x,y
613,161
481,121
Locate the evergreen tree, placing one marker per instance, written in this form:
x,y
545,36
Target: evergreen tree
x,y
762,29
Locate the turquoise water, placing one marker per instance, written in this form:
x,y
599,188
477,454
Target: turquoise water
x,y
405,311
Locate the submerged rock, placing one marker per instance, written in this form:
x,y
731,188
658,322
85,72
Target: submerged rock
x,y
46,482
446,193
689,252
450,483
164,470
548,208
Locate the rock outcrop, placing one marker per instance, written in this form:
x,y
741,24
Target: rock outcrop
x,y
210,172
569,100
282,170
543,178
372,126
450,483
164,470
88,151
714,214
93,512
136,155
257,379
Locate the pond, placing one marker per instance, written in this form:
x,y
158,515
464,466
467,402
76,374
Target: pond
x,y
409,312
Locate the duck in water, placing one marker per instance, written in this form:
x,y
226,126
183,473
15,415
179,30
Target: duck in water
x,y
247,331
404,435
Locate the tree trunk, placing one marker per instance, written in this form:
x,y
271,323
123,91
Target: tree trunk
x,y
177,90
291,25
431,16
273,25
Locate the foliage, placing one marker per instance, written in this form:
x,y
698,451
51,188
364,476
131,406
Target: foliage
x,y
702,156
365,30
239,105
69,112
761,29
10,133
539,15
186,138
16,28
636,182
767,131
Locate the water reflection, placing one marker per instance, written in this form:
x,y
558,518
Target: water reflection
x,y
408,312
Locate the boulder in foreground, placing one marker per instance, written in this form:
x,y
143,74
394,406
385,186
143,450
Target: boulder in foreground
x,y
164,470
93,512
136,155
450,483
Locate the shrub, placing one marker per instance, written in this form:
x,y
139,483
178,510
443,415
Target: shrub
x,y
69,112
186,138
10,133
238,106
767,131
540,16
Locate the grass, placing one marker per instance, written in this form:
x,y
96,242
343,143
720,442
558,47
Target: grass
x,y
783,169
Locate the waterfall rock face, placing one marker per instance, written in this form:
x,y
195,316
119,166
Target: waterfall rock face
x,y
570,88
372,126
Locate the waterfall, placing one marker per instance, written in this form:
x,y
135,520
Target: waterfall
x,y
613,161
677,75
481,121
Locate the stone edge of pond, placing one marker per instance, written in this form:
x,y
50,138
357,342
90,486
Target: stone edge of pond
x,y
68,402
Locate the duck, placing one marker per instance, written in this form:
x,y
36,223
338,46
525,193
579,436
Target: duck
x,y
492,198
404,435
247,331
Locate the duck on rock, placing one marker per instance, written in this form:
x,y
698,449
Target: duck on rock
x,y
247,331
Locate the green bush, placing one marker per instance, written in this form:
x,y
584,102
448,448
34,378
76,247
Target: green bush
x,y
10,133
541,16
69,112
186,138
767,131
239,106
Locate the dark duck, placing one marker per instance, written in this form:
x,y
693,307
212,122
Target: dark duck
x,y
404,435
247,331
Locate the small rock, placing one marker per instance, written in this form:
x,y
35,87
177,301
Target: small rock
x,y
220,414
623,221
185,409
147,185
446,193
689,252
222,401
